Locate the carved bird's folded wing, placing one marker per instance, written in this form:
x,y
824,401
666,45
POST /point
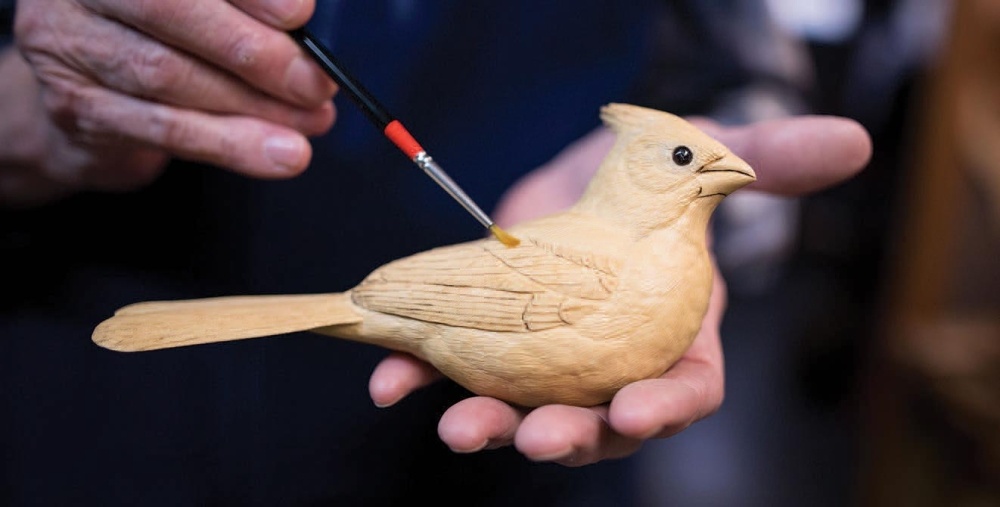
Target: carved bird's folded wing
x,y
485,285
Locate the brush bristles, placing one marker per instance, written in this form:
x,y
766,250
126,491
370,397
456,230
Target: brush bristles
x,y
504,236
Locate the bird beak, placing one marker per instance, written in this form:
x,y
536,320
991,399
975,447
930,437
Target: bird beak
x,y
724,176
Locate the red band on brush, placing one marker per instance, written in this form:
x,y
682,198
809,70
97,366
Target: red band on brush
x,y
401,137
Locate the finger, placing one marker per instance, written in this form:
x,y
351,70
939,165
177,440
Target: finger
x,y
245,145
126,168
397,376
571,436
690,390
659,408
225,36
478,423
796,156
281,14
129,62
141,67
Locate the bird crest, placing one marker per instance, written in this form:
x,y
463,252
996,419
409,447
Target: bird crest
x,y
625,117
628,121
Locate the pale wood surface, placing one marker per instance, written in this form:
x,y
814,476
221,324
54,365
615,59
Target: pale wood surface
x,y
608,292
165,324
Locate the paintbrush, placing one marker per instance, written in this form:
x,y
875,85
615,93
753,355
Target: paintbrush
x,y
394,130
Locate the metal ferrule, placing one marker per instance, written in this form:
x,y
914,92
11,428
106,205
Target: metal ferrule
x,y
425,162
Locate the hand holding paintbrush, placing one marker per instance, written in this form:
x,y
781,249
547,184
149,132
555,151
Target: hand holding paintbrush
x,y
129,85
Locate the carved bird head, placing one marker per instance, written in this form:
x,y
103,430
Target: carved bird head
x,y
660,169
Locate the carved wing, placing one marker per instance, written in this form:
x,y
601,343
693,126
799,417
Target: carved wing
x,y
486,285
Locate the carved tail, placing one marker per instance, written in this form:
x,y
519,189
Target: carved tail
x,y
166,324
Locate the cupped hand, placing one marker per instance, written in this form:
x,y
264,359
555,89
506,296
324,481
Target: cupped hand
x,y
793,156
133,83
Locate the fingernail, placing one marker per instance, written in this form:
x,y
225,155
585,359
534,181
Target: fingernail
x,y
553,456
377,388
386,403
283,10
651,433
285,152
305,82
471,450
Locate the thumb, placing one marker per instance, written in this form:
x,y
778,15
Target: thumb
x,y
797,155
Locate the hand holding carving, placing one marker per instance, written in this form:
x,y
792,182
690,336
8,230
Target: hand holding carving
x,y
791,156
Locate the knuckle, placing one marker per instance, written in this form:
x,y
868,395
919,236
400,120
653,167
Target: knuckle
x,y
244,49
60,101
157,71
164,129
80,114
228,151
31,35
29,18
26,24
73,109
186,138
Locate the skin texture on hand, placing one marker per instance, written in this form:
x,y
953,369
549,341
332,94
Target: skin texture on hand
x,y
792,156
205,80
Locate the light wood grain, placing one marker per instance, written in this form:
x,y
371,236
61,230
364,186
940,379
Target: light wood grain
x,y
165,324
608,292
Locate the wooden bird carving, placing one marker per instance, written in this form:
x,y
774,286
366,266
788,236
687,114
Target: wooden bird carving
x,y
609,292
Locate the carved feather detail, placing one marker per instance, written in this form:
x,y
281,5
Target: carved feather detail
x,y
478,285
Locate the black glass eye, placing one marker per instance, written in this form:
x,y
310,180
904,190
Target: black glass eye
x,y
683,155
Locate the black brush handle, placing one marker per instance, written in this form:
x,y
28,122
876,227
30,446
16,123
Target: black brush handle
x,y
362,97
